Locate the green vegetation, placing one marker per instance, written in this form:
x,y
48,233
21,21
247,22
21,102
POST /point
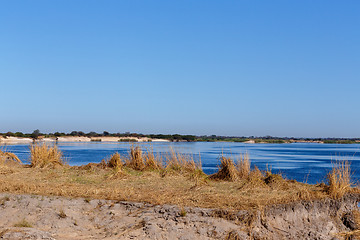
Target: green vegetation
x,y
133,137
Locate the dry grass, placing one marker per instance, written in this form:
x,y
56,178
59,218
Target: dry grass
x,y
44,156
6,156
115,161
181,163
230,191
339,179
243,166
227,170
136,160
152,162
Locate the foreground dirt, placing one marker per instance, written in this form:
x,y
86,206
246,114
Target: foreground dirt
x,y
65,218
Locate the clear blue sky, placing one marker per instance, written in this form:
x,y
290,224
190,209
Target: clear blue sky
x,y
280,68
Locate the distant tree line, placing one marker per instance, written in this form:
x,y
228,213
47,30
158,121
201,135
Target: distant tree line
x,y
179,138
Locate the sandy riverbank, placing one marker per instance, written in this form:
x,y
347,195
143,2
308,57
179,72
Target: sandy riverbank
x,y
17,140
41,217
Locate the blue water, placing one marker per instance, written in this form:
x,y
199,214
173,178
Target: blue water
x,y
305,162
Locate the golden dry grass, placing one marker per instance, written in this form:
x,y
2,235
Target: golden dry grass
x,y
152,162
44,156
181,163
115,161
339,179
182,188
243,166
136,160
227,170
5,156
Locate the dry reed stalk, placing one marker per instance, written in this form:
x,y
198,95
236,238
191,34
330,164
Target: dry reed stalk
x,y
339,179
227,170
136,160
152,162
42,156
243,166
183,163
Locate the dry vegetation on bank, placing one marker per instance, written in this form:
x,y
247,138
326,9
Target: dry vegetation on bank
x,y
174,179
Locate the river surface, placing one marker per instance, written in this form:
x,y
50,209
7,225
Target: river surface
x,y
305,162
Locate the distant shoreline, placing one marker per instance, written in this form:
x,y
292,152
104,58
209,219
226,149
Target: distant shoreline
x,y
112,139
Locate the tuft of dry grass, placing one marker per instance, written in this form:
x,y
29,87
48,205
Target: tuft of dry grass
x,y
23,223
243,166
136,160
339,179
152,162
227,170
44,156
181,163
115,161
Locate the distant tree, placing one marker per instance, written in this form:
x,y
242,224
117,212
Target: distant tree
x,y
35,134
80,133
92,134
19,134
57,134
105,133
10,134
74,133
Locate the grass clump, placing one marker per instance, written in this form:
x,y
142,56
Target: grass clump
x,y
23,223
227,170
152,162
136,160
116,164
43,156
115,161
243,166
339,179
62,214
